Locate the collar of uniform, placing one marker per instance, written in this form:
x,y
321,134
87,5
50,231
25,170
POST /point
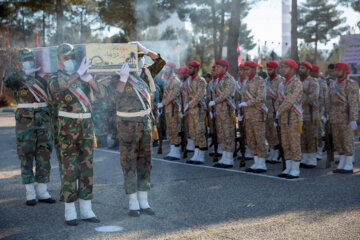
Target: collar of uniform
x,y
272,77
342,79
287,78
242,79
193,77
303,78
251,77
221,76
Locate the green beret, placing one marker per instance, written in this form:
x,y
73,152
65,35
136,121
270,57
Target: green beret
x,y
25,53
65,49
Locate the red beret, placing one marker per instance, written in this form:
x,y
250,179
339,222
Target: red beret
x,y
272,64
343,66
241,66
194,64
182,70
213,66
315,68
306,64
171,64
222,62
291,63
251,64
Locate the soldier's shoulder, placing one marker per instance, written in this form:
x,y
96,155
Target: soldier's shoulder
x,y
352,83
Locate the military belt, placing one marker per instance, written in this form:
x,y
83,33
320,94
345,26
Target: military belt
x,y
74,115
34,105
141,113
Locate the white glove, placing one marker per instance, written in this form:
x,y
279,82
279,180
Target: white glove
x,y
124,73
275,125
160,105
211,103
159,113
211,115
140,47
84,66
324,119
353,125
277,115
86,77
243,104
181,115
32,70
186,107
240,118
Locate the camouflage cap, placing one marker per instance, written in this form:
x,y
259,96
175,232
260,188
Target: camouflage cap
x,y
25,53
65,49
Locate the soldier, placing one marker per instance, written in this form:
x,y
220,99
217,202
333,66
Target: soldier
x,y
322,101
195,107
135,128
311,120
70,87
342,105
289,113
171,104
331,74
33,127
272,84
261,72
255,111
224,86
100,107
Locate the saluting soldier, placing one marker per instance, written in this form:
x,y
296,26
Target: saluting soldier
x,y
255,111
195,107
70,87
33,127
342,105
272,84
171,104
289,113
133,105
224,86
311,120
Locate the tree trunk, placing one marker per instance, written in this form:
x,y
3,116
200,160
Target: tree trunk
x,y
294,20
221,30
44,27
213,11
233,36
59,22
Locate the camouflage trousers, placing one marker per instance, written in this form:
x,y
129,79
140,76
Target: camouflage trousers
x,y
34,142
101,124
225,131
75,141
343,138
173,126
135,154
290,141
255,138
196,117
271,133
309,137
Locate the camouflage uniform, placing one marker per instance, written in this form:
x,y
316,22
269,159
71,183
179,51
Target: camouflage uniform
x,y
225,111
33,126
310,105
135,133
290,119
254,117
195,97
343,112
75,139
271,88
171,103
322,102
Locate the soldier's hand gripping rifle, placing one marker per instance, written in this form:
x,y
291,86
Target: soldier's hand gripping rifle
x,y
183,129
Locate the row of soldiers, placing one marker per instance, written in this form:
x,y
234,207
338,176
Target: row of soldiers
x,y
280,107
56,110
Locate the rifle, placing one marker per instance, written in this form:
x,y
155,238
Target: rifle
x,y
279,146
329,145
214,141
242,140
183,129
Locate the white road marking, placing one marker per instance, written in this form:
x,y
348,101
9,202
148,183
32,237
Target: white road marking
x,y
210,167
107,229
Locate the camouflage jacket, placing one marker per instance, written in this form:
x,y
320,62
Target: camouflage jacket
x,y
342,101
257,88
310,99
39,117
195,92
271,96
292,92
171,94
225,91
128,101
324,89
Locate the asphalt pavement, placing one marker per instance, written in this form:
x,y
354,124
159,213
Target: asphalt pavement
x,y
191,202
